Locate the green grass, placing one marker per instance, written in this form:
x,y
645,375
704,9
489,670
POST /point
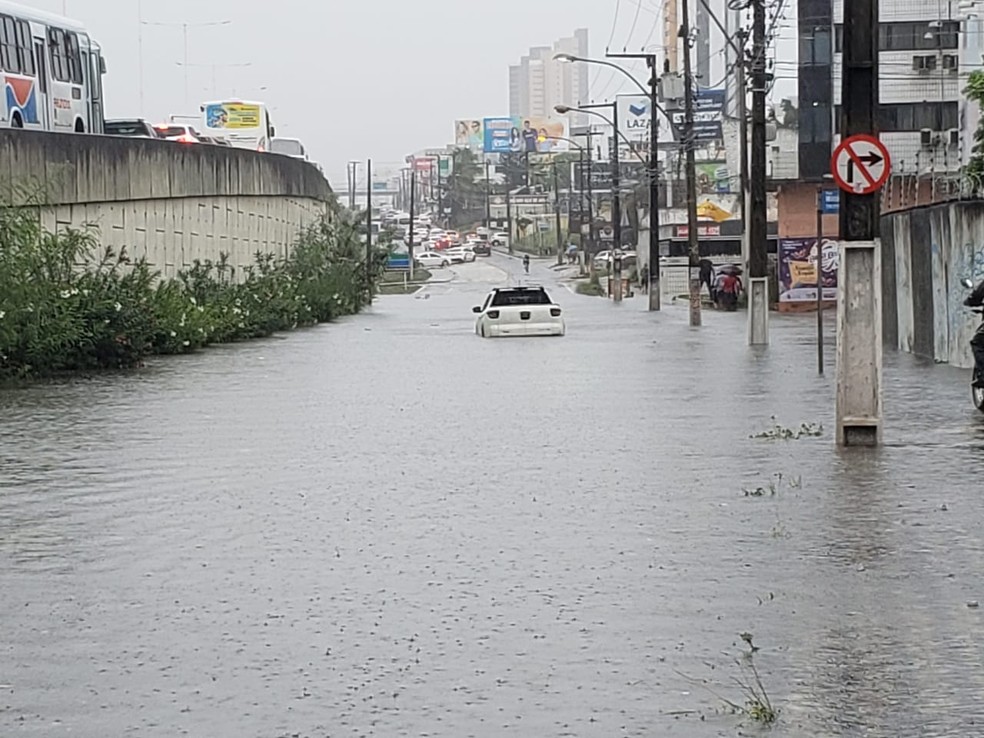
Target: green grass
x,y
392,282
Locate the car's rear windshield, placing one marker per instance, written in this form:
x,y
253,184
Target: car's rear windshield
x,y
505,298
126,128
170,131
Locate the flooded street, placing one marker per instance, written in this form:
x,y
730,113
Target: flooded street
x,y
390,527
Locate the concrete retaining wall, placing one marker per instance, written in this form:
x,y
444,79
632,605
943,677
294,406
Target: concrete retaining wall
x,y
925,254
167,202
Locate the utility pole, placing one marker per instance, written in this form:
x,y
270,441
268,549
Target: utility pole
x,y
369,227
616,210
413,215
758,248
488,200
688,142
590,251
440,194
560,236
859,308
509,223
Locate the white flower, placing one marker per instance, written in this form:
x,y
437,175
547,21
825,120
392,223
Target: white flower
x,y
117,306
193,300
2,314
186,343
65,294
173,334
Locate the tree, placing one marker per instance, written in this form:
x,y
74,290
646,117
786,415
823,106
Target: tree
x,y
466,188
975,92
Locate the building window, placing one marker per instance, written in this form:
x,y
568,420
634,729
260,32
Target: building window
x,y
901,117
910,36
814,48
815,124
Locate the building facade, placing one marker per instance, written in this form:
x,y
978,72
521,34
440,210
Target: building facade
x,y
538,82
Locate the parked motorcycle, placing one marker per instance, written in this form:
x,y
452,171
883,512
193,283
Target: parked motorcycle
x,y
976,393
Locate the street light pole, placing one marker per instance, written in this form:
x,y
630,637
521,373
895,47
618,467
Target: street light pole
x,y
560,242
758,238
184,26
688,142
654,267
616,187
488,201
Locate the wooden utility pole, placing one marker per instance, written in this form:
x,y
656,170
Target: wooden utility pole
x,y
859,319
369,226
689,144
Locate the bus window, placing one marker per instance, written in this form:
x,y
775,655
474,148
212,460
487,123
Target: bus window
x,y
73,58
25,49
8,45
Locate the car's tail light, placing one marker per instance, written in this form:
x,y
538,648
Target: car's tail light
x,y
555,312
493,314
185,139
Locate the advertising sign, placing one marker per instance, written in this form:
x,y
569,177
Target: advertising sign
x,y
713,178
520,134
798,269
634,116
708,111
232,115
469,134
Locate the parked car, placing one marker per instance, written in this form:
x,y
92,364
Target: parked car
x,y
603,259
519,311
130,127
428,259
499,239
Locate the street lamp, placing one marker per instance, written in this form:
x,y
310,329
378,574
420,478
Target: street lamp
x,y
652,93
184,29
213,67
580,199
616,185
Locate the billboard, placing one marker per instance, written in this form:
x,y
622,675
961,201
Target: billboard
x,y
713,178
708,112
232,115
798,269
469,134
524,134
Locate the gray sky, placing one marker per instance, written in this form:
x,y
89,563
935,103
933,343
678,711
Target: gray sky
x,y
352,78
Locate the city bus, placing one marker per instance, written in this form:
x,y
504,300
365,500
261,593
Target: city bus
x,y
245,125
50,72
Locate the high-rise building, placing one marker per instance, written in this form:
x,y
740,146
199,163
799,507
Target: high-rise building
x,y
539,83
921,76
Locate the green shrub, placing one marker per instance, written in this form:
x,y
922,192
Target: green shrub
x,y
64,309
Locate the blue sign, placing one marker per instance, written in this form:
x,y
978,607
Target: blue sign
x,y
830,202
398,262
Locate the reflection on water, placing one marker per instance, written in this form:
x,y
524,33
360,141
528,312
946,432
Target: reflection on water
x,y
389,527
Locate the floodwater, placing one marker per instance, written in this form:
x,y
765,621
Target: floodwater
x,y
390,527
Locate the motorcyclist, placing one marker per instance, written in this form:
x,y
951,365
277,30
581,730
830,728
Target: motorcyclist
x,y
976,299
526,263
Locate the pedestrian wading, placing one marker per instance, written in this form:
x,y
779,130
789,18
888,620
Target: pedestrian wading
x,y
67,306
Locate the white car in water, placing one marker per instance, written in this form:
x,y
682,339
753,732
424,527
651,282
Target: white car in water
x,y
519,311
459,254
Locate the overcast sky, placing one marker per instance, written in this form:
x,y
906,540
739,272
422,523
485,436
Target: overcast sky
x,y
352,78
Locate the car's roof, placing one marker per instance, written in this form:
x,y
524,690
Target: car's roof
x,y
520,288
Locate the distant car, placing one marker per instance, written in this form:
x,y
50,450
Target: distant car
x,y
519,311
459,254
499,239
291,147
454,237
429,259
178,132
130,127
603,260
481,248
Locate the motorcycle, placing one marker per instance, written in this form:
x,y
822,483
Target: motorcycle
x,y
976,393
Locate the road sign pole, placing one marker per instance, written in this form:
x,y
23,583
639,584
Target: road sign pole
x,y
860,166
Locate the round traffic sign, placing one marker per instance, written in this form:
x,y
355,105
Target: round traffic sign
x,y
860,164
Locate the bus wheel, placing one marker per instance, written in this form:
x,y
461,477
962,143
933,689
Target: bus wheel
x,y
16,122
79,127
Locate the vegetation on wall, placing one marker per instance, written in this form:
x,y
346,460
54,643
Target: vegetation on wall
x,y
68,305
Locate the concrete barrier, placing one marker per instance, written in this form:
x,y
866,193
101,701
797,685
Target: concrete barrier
x,y
167,202
926,251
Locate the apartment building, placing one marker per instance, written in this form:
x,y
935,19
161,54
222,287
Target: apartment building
x,y
923,68
538,82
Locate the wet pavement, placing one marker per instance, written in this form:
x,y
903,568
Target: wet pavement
x,y
390,527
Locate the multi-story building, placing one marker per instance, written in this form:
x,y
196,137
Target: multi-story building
x,y
921,79
539,83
